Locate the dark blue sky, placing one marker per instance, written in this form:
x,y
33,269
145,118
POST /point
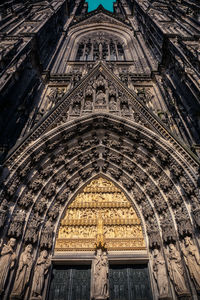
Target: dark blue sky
x,y
93,4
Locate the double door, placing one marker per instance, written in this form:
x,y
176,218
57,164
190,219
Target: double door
x,y
126,282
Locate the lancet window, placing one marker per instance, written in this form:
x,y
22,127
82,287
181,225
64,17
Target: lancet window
x,y
100,46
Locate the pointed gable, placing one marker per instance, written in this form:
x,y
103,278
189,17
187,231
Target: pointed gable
x,y
100,86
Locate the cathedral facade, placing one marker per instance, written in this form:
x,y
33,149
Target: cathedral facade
x,y
99,149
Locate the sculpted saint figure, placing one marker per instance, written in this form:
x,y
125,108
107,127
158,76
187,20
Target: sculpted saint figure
x,y
100,98
160,274
99,281
176,271
192,259
7,260
113,104
23,272
41,269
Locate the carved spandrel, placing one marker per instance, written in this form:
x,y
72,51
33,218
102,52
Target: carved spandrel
x,y
121,227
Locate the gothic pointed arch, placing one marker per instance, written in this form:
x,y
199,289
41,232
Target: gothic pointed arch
x,y
100,216
101,161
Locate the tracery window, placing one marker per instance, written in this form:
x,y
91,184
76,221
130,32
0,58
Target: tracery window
x,y
100,46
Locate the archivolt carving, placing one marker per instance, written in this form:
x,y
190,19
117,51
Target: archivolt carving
x,y
147,179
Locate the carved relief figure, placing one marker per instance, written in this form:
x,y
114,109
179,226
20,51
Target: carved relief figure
x,y
113,103
176,271
99,282
100,98
23,272
192,259
159,272
7,261
88,104
3,212
41,269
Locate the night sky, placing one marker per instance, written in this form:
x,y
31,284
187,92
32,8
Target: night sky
x,y
93,4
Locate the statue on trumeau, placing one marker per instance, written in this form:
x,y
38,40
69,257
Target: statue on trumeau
x,y
192,260
7,261
23,273
99,275
176,271
160,274
41,269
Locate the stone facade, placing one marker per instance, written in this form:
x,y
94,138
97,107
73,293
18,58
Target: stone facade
x,y
85,95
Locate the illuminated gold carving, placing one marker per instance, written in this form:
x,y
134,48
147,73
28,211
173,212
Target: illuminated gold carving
x,y
100,237
100,216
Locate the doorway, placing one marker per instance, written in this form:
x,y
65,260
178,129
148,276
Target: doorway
x,y
126,282
129,282
70,283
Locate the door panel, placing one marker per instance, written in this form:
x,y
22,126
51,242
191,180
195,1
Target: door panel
x,y
129,282
126,282
70,283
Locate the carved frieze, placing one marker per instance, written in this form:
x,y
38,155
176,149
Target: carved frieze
x,y
17,224
174,198
31,235
3,212
183,222
47,235
40,206
153,234
100,200
154,170
36,184
160,203
168,230
187,186
26,200
165,183
61,177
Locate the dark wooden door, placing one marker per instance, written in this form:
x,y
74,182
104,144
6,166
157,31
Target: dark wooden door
x,y
70,283
126,282
129,282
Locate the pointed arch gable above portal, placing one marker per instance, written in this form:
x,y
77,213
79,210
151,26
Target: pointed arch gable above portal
x,y
103,86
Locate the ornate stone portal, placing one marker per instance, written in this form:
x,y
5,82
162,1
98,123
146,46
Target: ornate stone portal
x,y
100,216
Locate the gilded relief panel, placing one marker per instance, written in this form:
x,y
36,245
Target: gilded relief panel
x,y
100,216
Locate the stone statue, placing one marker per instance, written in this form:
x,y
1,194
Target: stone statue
x,y
160,275
100,98
88,105
23,272
192,259
176,271
7,261
41,269
112,104
99,281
